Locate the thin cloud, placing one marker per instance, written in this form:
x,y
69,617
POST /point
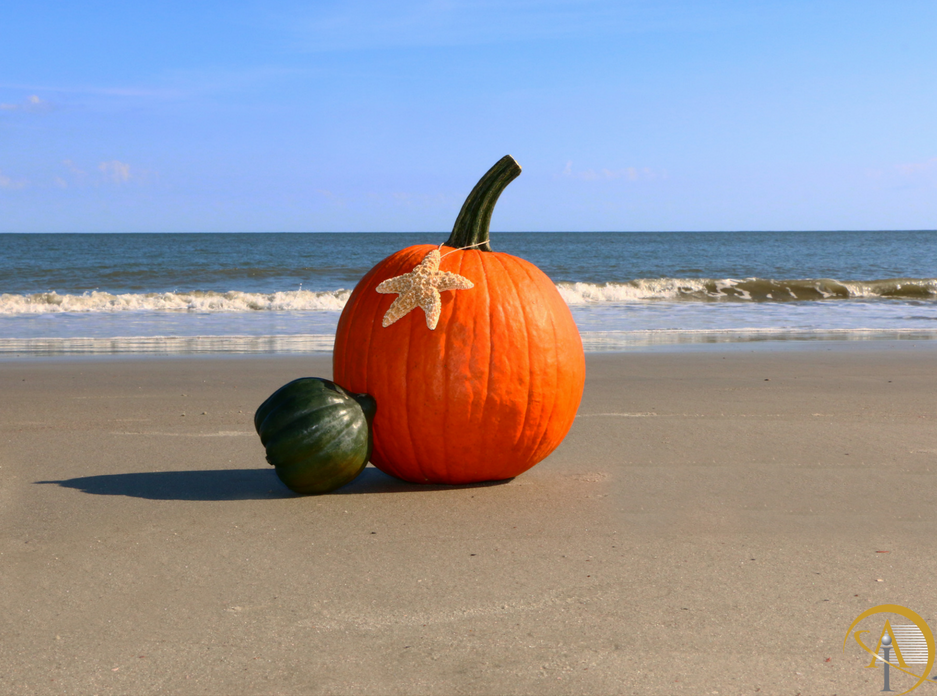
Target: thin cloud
x,y
32,104
915,169
8,183
91,90
910,175
115,171
419,201
364,24
331,196
73,168
112,172
626,173
176,85
76,175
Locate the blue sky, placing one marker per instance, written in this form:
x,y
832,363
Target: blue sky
x,y
381,116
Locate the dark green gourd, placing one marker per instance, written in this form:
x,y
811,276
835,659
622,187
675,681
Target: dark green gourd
x,y
317,435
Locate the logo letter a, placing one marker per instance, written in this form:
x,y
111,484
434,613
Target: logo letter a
x,y
895,649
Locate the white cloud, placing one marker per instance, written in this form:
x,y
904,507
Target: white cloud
x,y
32,104
627,173
115,171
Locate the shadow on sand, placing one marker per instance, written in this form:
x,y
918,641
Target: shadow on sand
x,y
234,484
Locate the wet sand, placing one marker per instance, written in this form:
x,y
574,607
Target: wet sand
x,y
713,523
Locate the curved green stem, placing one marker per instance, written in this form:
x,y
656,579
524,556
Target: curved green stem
x,y
471,227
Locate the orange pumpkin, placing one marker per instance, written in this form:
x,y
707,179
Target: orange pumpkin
x,y
489,392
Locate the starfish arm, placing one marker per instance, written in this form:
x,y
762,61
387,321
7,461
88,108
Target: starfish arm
x,y
432,306
400,308
431,260
452,281
399,284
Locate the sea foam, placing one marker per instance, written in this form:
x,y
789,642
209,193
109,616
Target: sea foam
x,y
234,301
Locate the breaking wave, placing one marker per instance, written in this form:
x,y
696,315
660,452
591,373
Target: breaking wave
x,y
575,294
747,290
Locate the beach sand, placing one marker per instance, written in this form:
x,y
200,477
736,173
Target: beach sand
x,y
713,523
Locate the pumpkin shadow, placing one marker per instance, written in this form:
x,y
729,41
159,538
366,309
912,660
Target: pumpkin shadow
x,y
233,484
373,480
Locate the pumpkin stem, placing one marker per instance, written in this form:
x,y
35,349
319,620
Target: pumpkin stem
x,y
471,227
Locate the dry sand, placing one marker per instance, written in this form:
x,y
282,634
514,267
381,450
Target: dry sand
x,y
712,524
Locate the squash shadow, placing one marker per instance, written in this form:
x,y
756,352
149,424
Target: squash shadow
x,y
234,484
205,485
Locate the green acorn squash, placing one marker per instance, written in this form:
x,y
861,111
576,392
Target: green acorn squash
x,y
316,434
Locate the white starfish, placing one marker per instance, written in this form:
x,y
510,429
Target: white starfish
x,y
420,288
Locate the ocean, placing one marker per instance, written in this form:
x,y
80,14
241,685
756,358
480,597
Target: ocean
x,y
63,294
